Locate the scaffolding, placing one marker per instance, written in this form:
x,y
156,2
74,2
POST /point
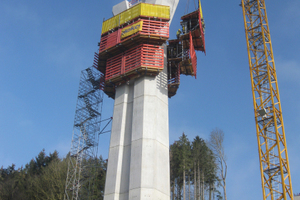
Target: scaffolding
x,y
131,44
181,52
86,130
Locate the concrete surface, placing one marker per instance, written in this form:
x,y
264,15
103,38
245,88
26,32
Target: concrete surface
x,y
138,162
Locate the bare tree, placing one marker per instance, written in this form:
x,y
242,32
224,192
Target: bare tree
x,y
216,139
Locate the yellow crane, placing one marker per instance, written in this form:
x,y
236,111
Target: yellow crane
x,y
273,155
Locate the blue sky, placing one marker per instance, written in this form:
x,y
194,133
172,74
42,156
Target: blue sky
x,y
45,44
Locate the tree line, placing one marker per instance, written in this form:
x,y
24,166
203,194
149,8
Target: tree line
x,y
194,169
44,177
197,171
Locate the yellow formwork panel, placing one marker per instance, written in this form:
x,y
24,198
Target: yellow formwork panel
x,y
141,9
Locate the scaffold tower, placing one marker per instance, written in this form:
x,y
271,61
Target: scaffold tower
x,y
86,131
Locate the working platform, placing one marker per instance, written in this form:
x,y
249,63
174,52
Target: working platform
x,y
140,32
141,10
145,59
131,44
194,24
174,50
182,56
173,78
143,28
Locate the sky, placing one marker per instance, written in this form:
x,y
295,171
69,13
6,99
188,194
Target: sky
x,y
44,45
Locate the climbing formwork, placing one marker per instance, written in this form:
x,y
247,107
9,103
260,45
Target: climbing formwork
x,y
144,58
193,24
131,44
137,64
181,55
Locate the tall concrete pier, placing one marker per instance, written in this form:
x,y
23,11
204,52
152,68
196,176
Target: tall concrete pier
x,y
138,162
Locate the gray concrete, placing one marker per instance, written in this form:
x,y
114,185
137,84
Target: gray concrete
x,y
120,7
138,162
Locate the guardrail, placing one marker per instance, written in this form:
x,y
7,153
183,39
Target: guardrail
x,y
141,58
150,29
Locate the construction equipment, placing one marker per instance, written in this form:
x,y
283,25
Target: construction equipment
x,y
82,158
273,155
131,44
181,53
120,60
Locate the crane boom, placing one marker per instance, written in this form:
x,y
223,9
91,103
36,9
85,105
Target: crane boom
x,y
273,155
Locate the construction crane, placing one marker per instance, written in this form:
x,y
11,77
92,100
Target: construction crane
x,y
273,155
181,58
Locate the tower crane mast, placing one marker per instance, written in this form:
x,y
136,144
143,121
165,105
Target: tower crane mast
x,y
273,155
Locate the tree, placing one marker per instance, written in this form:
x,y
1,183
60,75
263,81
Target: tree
x,y
185,158
198,152
44,178
211,174
192,163
95,174
216,139
173,170
204,169
50,183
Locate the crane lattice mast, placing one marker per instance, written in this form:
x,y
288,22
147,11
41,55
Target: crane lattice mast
x,y
273,155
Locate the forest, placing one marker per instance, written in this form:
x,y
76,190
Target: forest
x,y
194,174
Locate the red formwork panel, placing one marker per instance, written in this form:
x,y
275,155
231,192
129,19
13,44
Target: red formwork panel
x,y
193,56
110,40
155,28
152,56
113,67
151,29
134,60
196,30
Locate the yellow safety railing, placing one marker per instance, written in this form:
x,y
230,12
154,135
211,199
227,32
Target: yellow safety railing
x,y
141,9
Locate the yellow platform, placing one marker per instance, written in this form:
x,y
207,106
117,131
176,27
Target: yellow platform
x,y
141,9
